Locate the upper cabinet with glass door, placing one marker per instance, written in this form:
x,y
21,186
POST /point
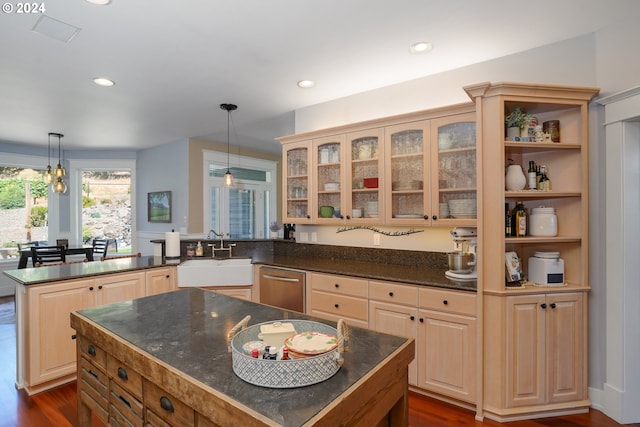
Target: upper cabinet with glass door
x,y
407,173
296,185
328,191
365,155
453,170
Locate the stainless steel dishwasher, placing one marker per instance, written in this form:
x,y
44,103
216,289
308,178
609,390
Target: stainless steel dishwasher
x,y
282,288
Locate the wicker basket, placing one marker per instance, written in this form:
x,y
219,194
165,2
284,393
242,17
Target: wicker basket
x,y
286,373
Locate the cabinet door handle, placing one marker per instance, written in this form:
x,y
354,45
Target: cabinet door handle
x,y
390,294
166,404
553,305
91,350
73,337
412,317
337,285
434,217
445,302
122,373
90,288
421,320
543,305
100,287
426,217
348,216
167,276
336,305
282,279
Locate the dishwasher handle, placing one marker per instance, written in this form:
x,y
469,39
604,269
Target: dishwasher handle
x,y
282,279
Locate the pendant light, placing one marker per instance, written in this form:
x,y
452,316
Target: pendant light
x,y
48,176
59,186
228,178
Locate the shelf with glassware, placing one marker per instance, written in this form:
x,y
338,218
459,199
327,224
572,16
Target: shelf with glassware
x,y
454,170
365,155
329,182
297,182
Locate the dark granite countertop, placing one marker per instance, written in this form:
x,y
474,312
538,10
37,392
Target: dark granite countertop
x,y
194,341
414,275
34,276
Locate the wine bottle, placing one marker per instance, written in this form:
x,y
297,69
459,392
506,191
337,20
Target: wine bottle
x,y
507,221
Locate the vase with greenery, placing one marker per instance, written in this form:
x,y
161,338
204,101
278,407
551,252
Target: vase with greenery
x,y
516,121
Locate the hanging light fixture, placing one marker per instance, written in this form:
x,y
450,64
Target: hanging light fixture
x,y
59,186
228,178
48,176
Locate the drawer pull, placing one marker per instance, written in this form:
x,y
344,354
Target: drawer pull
x,y
74,336
445,302
125,401
167,276
93,374
166,404
91,350
336,305
122,373
390,294
337,285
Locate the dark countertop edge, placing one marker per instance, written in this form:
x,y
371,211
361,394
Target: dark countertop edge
x,y
79,273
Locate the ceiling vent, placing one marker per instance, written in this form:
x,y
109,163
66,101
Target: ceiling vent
x,y
55,29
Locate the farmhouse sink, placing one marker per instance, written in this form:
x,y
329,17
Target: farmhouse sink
x,y
215,272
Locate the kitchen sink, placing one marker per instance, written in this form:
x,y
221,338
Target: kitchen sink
x,y
215,272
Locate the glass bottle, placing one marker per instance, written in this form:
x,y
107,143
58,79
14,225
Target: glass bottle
x,y
531,176
285,353
519,220
507,221
545,182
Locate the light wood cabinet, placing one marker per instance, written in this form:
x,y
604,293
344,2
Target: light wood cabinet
x,y
446,344
297,191
48,358
160,280
336,297
532,365
393,309
396,170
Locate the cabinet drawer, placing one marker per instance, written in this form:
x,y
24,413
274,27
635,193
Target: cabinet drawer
x,y
92,352
393,293
451,301
339,285
94,389
125,376
167,407
340,305
155,421
124,408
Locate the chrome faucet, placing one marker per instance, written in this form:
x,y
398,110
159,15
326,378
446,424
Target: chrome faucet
x,y
221,248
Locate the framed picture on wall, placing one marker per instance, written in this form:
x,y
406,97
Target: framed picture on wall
x,y
159,206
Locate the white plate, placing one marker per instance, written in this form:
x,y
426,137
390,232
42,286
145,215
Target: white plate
x,y
311,343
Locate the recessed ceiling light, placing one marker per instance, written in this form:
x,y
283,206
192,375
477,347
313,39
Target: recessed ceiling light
x,y
306,84
421,47
102,81
99,2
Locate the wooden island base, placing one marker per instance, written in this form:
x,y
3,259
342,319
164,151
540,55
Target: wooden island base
x,y
163,360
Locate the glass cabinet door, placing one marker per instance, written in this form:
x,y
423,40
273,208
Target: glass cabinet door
x,y
327,158
296,184
454,170
407,174
365,156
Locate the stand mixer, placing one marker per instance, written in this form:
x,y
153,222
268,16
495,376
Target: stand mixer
x,y
462,262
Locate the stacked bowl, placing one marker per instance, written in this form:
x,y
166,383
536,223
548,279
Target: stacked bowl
x,y
463,208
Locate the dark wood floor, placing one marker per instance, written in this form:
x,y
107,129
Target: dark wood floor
x,y
58,407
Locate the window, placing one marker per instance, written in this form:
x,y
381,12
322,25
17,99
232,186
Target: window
x,y
244,210
24,203
102,202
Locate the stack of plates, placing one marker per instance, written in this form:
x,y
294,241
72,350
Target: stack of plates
x,y
463,208
371,209
444,210
308,344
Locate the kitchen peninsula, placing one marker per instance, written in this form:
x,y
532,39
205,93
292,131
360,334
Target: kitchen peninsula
x,y
45,296
176,368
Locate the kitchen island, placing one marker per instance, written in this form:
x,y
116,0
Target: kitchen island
x,y
174,346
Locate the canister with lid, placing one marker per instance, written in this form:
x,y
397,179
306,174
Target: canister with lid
x,y
543,222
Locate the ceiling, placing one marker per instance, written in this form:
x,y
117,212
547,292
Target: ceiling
x,y
175,62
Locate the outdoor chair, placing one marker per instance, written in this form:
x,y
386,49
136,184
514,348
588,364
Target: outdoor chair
x,y
42,255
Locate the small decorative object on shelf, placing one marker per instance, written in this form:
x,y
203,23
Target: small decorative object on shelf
x,y
552,127
520,120
515,179
274,227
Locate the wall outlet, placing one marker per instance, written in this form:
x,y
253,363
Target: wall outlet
x,y
304,236
376,239
314,236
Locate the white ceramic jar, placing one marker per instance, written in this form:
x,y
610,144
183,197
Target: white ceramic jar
x,y
543,222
